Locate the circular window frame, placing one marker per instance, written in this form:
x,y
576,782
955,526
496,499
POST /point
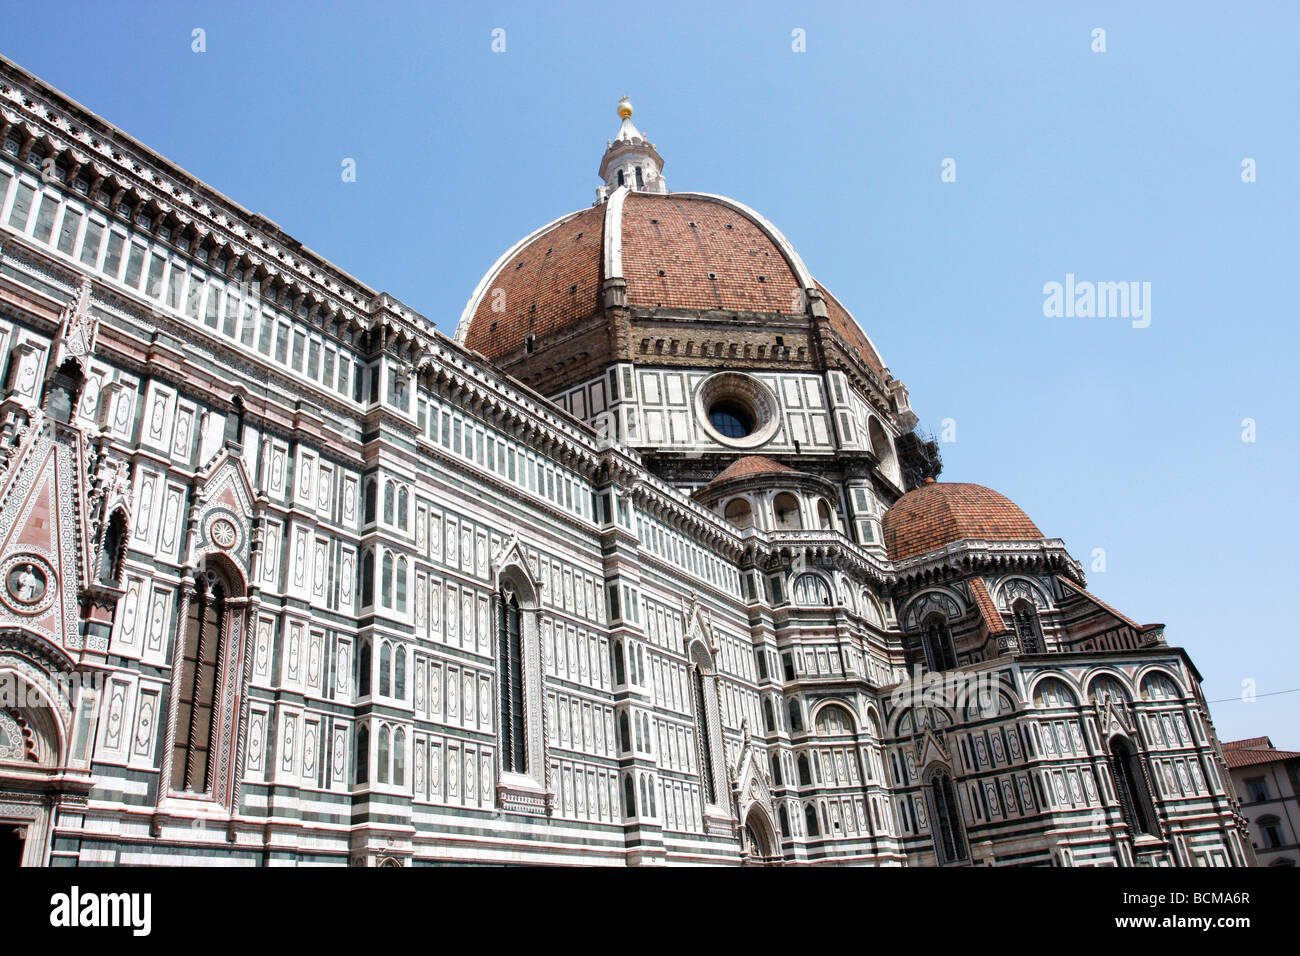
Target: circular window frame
x,y
744,390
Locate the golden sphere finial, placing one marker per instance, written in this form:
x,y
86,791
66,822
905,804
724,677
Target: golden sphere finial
x,y
624,108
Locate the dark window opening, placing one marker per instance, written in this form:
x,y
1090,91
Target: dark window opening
x,y
510,655
731,419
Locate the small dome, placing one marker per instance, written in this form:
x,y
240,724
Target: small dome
x,y
747,467
939,513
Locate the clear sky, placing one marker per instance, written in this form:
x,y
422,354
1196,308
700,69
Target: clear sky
x,y
1117,166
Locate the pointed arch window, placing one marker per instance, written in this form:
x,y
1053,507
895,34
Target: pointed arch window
x,y
510,653
810,820
113,549
390,503
401,584
936,641
1029,633
363,670
381,775
363,755
386,583
399,758
1131,788
403,505
703,728
385,669
945,818
399,674
201,651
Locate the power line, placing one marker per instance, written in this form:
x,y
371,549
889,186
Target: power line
x,y
1229,700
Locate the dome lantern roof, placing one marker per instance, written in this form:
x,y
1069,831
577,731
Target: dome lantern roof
x,y
630,160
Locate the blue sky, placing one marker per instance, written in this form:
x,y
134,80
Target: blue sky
x,y
1117,166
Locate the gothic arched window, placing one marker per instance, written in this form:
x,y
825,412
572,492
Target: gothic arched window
x,y
370,494
385,669
399,674
1130,787
113,550
386,582
200,664
805,773
945,819
381,774
368,579
810,820
401,584
936,641
702,689
620,676
510,653
403,505
363,755
399,758
1028,630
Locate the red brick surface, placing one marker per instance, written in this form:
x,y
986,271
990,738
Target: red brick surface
x,y
539,285
554,282
658,235
939,513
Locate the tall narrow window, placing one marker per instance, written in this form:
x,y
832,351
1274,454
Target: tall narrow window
x,y
363,755
706,743
399,674
937,643
381,774
113,550
390,503
363,670
385,669
949,840
1130,787
1028,632
200,665
399,758
810,820
510,654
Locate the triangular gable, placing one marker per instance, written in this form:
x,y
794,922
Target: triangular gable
x,y
930,748
224,510
511,554
44,538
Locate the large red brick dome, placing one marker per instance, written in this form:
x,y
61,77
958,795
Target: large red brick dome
x,y
940,513
676,252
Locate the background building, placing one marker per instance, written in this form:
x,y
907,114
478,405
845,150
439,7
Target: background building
x,y
648,565
1268,784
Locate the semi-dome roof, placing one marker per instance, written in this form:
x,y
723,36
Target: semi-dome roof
x,y
675,251
939,513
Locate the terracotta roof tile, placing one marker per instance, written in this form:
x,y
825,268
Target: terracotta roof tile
x,y
1253,757
988,610
939,513
749,465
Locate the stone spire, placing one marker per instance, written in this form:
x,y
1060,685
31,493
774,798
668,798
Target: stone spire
x,y
630,160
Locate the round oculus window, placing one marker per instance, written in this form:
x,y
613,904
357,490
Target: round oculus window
x,y
731,418
736,410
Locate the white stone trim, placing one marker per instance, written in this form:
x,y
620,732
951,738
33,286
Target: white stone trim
x,y
613,243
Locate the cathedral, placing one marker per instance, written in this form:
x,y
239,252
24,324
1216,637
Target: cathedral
x,y
647,565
